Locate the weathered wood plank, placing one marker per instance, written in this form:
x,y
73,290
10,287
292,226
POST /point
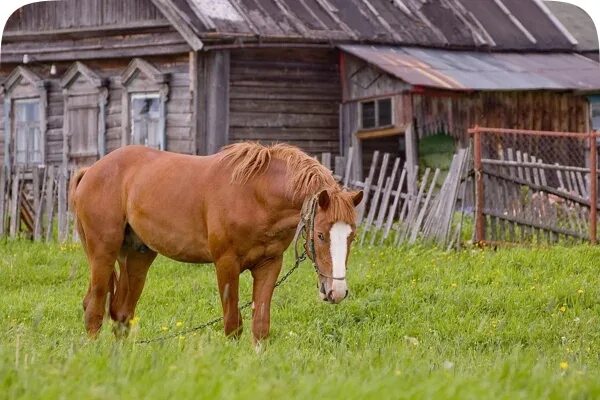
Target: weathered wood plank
x,y
49,213
14,202
62,204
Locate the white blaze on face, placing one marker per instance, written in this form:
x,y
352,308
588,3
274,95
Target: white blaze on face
x,y
338,246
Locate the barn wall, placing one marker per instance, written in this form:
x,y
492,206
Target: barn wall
x,y
361,80
179,107
454,114
289,95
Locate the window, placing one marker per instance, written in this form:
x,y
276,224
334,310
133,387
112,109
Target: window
x,y
376,114
84,120
144,105
595,111
145,118
25,104
27,133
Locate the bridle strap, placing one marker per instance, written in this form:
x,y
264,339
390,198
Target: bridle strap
x,y
307,226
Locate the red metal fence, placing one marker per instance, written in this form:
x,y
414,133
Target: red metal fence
x,y
535,185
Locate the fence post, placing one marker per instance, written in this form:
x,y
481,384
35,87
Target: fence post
x,y
479,199
593,187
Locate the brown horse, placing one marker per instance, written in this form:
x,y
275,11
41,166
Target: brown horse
x,y
238,209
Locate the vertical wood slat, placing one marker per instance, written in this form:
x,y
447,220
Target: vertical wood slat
x,y
326,160
348,170
421,216
394,207
39,211
14,205
367,188
375,200
414,206
338,168
386,195
3,195
49,213
404,211
62,204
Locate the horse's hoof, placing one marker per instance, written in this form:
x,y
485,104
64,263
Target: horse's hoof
x,y
121,330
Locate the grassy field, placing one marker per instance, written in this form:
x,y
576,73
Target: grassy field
x,y
419,323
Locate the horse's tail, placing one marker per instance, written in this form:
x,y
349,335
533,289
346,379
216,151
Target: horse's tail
x,y
73,186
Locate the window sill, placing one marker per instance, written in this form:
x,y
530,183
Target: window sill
x,y
381,132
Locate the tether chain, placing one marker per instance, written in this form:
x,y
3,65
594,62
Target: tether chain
x,y
299,259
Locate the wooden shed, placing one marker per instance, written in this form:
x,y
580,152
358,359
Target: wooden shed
x,y
84,77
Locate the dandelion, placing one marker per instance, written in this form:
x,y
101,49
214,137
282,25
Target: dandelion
x,y
563,309
412,340
397,372
454,285
179,324
448,364
564,365
134,321
580,291
164,328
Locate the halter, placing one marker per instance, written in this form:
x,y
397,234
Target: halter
x,y
306,226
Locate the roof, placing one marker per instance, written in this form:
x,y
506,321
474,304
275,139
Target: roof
x,y
578,22
469,70
466,24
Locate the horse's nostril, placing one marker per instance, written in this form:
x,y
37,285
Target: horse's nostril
x,y
330,295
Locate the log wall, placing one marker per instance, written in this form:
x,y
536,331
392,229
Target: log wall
x,y
289,95
180,135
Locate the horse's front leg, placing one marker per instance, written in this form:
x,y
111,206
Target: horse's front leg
x,y
265,275
228,278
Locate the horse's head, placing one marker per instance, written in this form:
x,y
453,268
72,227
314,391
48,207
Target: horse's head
x,y
334,229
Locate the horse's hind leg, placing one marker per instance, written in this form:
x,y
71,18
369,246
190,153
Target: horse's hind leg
x,y
101,271
101,250
134,265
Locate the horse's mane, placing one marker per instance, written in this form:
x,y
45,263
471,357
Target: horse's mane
x,y
306,175
249,159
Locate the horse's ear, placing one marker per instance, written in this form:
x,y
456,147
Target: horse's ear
x,y
357,197
324,200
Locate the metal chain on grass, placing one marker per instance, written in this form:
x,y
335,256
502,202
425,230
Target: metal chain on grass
x,y
173,335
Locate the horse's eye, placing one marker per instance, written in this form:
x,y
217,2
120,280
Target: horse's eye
x,y
321,236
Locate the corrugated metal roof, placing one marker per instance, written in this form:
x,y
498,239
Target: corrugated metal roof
x,y
493,24
468,70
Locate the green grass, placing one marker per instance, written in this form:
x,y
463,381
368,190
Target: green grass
x,y
419,323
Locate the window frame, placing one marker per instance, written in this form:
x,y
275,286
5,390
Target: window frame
x,y
143,96
594,106
13,89
16,124
377,125
94,86
142,78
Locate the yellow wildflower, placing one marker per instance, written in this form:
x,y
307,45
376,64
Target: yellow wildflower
x,y
563,309
179,324
580,291
564,365
454,285
164,328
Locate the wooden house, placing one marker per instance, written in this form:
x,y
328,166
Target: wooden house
x,y
84,77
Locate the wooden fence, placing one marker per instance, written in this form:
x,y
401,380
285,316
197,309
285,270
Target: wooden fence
x,y
33,202
521,197
393,212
